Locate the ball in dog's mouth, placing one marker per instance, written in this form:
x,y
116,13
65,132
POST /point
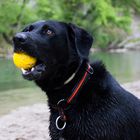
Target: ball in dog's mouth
x,y
32,69
24,61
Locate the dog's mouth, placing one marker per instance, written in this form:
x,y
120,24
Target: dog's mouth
x,y
36,72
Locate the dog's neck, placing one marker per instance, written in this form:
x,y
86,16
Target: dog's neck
x,y
61,76
56,94
69,74
60,81
70,78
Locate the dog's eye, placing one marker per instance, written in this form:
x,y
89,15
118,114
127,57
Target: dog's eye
x,y
47,31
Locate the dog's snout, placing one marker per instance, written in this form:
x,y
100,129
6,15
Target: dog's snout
x,y
20,38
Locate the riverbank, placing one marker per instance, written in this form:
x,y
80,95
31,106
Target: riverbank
x,y
31,122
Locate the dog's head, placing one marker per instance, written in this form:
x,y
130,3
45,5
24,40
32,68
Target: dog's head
x,y
55,45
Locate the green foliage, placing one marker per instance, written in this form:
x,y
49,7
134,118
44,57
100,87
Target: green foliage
x,y
8,13
106,20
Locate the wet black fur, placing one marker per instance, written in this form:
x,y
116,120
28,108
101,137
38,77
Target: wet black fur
x,y
103,110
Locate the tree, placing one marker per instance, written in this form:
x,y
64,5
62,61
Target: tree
x,y
13,15
107,20
101,18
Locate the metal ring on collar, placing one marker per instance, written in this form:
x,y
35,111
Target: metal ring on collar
x,y
57,125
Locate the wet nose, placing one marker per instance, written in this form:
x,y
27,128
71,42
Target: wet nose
x,y
20,38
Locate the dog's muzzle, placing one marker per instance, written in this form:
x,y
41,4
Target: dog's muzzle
x,y
36,72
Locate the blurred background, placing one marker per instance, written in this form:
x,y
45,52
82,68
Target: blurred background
x,y
114,24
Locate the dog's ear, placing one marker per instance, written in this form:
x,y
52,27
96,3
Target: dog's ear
x,y
81,39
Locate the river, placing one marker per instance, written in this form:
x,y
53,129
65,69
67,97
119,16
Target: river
x,y
15,91
125,67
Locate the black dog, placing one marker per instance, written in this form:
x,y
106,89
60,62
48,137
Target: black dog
x,y
85,101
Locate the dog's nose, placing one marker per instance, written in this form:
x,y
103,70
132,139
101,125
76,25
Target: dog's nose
x,y
19,38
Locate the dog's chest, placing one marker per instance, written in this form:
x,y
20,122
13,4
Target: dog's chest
x,y
78,126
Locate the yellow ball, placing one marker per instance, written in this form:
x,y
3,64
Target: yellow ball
x,y
22,60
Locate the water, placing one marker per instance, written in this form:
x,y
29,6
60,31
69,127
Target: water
x,y
10,76
125,67
15,91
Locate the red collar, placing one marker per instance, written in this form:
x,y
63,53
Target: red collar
x,y
84,79
63,104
